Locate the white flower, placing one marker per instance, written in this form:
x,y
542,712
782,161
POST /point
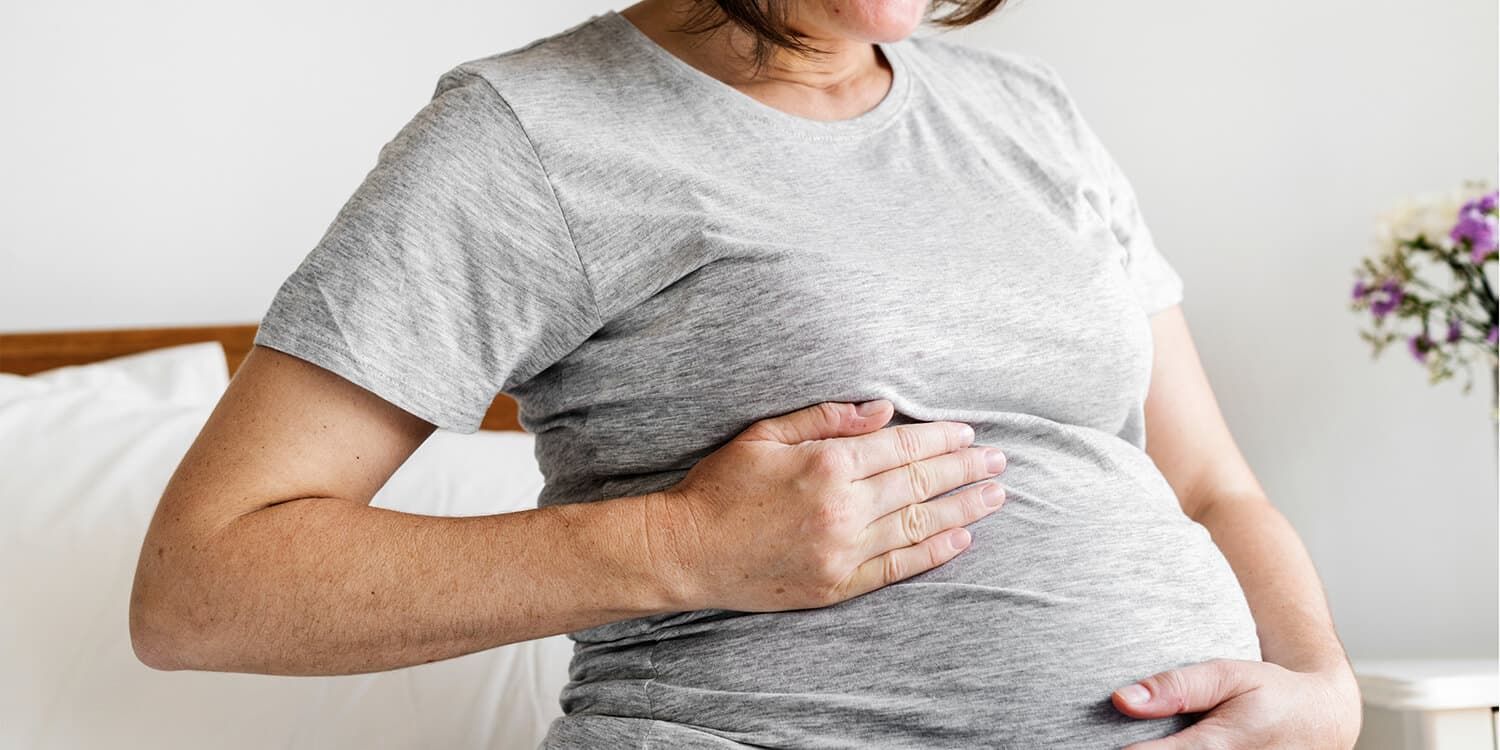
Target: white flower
x,y
1442,214
1402,221
1431,215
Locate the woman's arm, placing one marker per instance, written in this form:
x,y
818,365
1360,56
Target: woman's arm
x,y
1190,441
265,556
1187,437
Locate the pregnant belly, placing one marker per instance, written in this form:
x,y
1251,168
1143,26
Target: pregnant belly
x,y
1088,578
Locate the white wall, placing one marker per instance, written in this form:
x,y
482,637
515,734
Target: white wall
x,y
169,163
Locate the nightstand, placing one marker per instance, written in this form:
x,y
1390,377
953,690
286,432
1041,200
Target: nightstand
x,y
1428,704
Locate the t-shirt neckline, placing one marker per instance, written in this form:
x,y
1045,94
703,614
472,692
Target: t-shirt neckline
x,y
882,113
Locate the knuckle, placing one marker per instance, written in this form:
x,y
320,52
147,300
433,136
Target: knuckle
x,y
916,520
920,479
1174,687
833,411
828,462
935,555
824,520
908,444
975,463
892,569
1220,672
953,437
974,506
854,457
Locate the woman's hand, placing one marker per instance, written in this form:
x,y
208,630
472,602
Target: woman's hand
x,y
820,505
1250,704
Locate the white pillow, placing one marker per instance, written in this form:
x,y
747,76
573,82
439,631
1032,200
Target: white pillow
x,y
88,453
184,374
466,475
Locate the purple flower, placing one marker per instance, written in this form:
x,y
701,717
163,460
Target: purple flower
x,y
1479,231
1455,329
1419,345
1486,203
1478,253
1494,331
1477,227
1360,289
1387,298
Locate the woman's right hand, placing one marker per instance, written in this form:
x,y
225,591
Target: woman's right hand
x,y
820,505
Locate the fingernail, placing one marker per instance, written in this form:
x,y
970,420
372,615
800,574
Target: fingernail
x,y
1135,694
868,408
994,460
991,494
967,431
959,539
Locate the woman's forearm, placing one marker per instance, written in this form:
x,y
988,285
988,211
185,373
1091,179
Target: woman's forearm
x,y
322,586
1281,585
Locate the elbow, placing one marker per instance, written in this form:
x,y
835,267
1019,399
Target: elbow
x,y
151,639
166,632
182,601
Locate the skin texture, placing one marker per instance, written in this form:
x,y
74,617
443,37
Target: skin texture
x,y
264,555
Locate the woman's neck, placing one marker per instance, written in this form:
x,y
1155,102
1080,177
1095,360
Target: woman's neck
x,y
847,81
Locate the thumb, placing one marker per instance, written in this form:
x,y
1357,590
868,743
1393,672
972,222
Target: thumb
x,y
828,419
1188,689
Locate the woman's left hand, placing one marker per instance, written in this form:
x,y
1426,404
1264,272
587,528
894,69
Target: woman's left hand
x,y
1249,704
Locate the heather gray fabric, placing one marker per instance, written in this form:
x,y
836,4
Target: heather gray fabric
x,y
649,261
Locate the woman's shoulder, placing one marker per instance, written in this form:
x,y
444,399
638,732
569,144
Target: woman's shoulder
x,y
1003,71
942,48
1024,88
564,80
569,48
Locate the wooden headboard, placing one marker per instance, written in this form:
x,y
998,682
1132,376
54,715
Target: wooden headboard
x,y
26,353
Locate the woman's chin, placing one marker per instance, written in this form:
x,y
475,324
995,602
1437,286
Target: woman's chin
x,y
876,20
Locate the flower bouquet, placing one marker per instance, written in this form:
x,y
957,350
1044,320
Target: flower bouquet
x,y
1431,273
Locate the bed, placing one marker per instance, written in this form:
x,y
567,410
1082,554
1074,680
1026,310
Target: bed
x,y
28,353
92,423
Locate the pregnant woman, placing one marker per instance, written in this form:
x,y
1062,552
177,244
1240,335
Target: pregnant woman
x,y
793,301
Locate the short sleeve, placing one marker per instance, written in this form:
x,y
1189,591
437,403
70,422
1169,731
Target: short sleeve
x,y
450,274
1156,284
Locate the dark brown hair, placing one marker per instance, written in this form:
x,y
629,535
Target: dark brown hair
x,y
766,20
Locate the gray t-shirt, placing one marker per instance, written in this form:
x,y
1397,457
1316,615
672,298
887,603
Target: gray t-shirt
x,y
649,261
